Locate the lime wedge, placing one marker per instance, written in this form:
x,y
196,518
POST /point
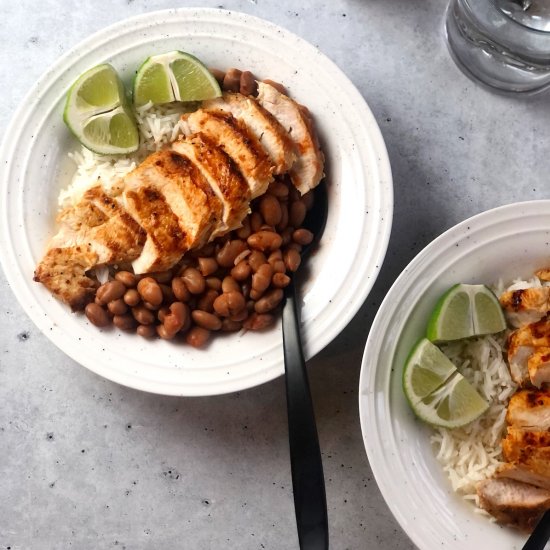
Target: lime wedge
x,y
173,76
98,114
436,391
465,311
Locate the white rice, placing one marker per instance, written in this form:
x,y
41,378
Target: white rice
x,y
158,126
473,453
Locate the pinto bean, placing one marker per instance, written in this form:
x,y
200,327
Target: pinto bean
x,y
244,231
278,189
232,80
248,85
269,301
109,291
297,213
256,221
302,236
206,301
132,297
265,241
162,277
230,285
206,320
258,321
150,291
280,280
124,322
97,315
270,209
167,293
143,315
197,337
117,307
177,318
147,331
229,304
284,218
179,289
194,281
231,326
256,259
261,281
207,266
129,280
230,250
241,271
292,259
214,283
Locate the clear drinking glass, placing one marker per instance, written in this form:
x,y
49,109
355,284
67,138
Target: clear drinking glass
x,y
502,43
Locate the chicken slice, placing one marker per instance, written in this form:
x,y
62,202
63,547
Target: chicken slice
x,y
529,409
525,343
96,231
512,502
266,128
518,439
63,272
533,467
224,177
526,305
307,171
238,142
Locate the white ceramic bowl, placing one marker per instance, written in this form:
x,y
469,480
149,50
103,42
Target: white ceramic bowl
x,y
35,167
504,243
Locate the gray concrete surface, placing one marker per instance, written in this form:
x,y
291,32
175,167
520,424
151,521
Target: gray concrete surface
x,y
88,464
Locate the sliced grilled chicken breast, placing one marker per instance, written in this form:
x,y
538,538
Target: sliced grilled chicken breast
x,y
307,171
224,177
512,502
238,142
265,127
529,409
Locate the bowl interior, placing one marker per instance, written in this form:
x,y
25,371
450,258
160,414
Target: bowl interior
x,y
502,244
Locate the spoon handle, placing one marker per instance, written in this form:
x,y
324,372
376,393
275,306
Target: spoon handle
x,y
539,537
305,455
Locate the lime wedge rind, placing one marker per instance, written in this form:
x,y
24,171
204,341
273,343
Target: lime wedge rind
x,y
173,76
465,311
105,129
443,398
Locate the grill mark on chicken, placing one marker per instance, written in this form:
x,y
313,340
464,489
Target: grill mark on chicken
x,y
269,132
235,139
166,242
224,177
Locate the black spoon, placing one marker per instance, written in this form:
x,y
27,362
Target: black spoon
x,y
308,483
539,537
